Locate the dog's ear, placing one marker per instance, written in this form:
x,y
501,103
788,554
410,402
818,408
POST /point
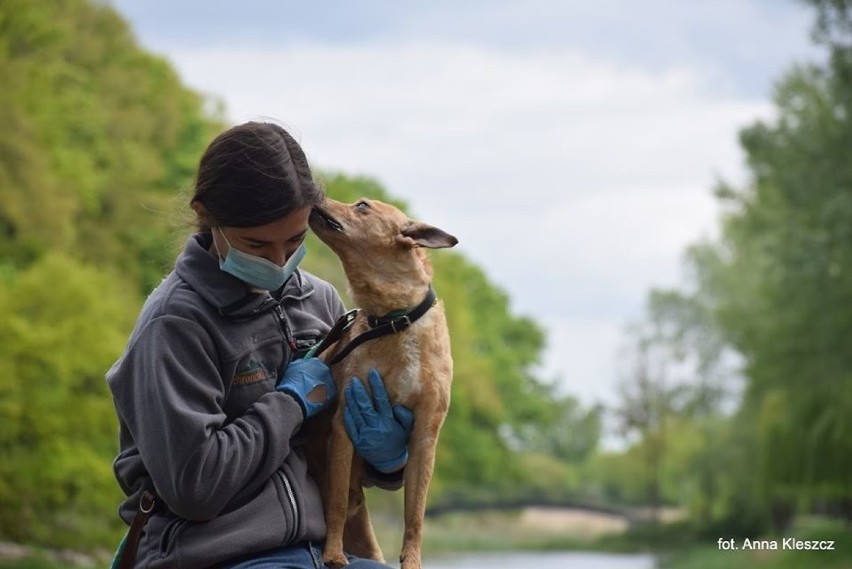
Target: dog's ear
x,y
416,234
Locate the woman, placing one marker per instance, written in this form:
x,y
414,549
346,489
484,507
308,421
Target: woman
x,y
212,393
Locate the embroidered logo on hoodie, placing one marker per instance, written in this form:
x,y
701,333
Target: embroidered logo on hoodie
x,y
251,372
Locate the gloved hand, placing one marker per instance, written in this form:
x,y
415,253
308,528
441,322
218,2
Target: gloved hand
x,y
309,382
379,431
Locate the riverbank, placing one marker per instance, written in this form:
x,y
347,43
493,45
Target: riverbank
x,y
527,529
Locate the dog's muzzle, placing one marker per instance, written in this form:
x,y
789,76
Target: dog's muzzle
x,y
326,218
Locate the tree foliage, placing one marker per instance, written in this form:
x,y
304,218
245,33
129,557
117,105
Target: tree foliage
x,y
790,234
98,135
63,324
776,288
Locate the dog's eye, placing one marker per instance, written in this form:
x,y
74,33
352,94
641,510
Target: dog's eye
x,y
362,206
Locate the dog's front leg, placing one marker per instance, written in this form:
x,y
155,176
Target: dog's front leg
x,y
418,476
337,493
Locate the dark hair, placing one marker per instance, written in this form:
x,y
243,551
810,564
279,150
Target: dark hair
x,y
253,174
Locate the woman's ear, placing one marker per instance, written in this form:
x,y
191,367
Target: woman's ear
x,y
202,213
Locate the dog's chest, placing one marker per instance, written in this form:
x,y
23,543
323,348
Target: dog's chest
x,y
408,376
398,360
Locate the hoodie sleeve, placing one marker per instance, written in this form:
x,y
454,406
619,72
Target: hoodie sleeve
x,y
169,392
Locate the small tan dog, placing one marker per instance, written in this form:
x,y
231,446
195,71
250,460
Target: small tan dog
x,y
382,254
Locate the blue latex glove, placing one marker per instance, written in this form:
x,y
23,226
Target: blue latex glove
x,y
309,382
379,431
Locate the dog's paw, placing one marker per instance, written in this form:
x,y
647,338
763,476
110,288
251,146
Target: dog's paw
x,y
335,560
409,561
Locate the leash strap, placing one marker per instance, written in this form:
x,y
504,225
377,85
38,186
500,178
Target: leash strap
x,y
130,544
386,325
342,325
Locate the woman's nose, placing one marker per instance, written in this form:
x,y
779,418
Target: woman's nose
x,y
280,255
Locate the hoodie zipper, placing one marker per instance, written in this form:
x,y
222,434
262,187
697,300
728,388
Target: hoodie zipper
x,y
285,328
291,497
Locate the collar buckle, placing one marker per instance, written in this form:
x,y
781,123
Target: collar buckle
x,y
400,324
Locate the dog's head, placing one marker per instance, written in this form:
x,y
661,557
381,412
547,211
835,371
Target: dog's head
x,y
373,238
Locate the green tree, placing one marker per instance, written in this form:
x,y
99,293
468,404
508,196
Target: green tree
x,y
97,136
673,396
64,323
778,289
789,232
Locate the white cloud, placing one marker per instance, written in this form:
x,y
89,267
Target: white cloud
x,y
574,182
581,354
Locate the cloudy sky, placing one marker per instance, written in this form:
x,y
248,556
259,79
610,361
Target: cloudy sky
x,y
572,146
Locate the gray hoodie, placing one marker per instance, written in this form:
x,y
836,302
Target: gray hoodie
x,y
201,424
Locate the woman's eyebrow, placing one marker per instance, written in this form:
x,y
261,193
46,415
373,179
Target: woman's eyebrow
x,y
299,236
257,241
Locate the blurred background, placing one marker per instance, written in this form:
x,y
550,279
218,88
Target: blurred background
x,y
650,304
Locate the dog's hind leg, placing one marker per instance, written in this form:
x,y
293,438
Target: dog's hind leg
x,y
337,493
418,476
358,537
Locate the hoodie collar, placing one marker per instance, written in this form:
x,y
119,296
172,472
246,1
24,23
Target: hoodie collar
x,y
230,296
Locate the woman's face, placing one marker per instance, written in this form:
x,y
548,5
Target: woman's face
x,y
275,241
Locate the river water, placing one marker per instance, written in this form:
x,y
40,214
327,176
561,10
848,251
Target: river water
x,y
540,560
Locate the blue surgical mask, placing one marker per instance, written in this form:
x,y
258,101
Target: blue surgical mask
x,y
257,271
